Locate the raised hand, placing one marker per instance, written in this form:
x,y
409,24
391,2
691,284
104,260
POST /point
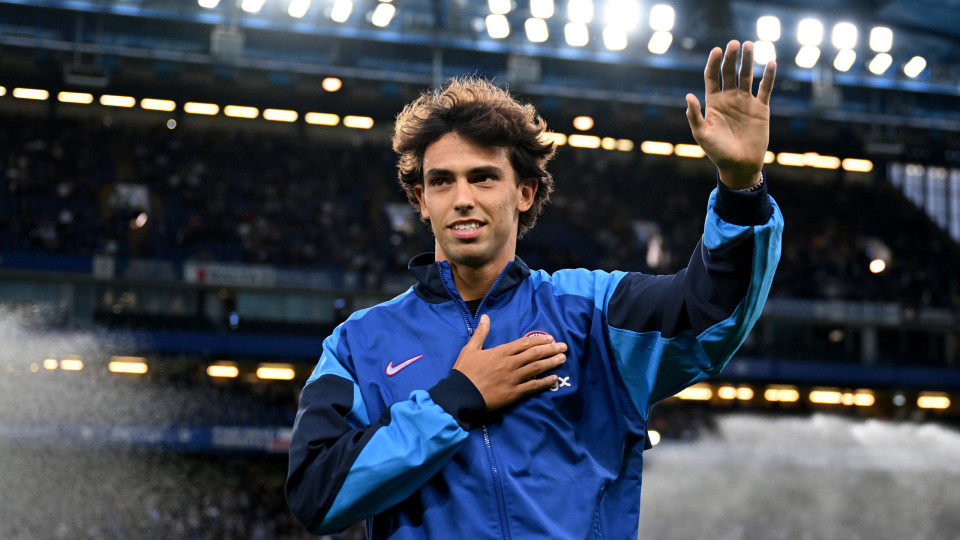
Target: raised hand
x,y
506,373
735,131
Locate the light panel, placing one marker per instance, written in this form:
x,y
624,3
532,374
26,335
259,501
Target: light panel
x,y
614,39
576,34
383,14
500,7
251,6
207,109
298,8
933,400
697,392
321,119
498,27
915,67
239,111
662,17
280,115
82,98
881,39
117,101
128,364
807,56
71,364
341,11
689,150
209,4
541,9
331,84
844,35
358,122
880,63
276,372
660,42
580,11
810,32
583,141
536,30
158,104
768,28
844,60
225,370
659,148
583,123
763,52
35,94
623,15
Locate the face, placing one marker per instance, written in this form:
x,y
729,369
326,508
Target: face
x,y
471,197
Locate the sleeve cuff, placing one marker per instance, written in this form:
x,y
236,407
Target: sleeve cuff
x,y
457,395
743,207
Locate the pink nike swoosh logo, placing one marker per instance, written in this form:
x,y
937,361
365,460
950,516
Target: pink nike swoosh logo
x,y
393,369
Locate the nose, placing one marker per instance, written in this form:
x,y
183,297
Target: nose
x,y
463,195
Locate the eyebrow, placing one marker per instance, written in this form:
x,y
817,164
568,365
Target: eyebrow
x,y
486,169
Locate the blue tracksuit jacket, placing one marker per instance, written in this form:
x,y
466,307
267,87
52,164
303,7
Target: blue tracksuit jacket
x,y
387,432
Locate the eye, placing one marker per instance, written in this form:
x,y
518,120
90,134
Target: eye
x,y
437,180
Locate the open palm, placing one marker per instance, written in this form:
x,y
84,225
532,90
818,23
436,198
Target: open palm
x,y
735,130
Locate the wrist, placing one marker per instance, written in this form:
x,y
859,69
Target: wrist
x,y
741,181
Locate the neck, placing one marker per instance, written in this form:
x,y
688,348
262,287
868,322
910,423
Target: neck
x,y
474,283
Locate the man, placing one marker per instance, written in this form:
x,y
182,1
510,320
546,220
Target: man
x,y
492,401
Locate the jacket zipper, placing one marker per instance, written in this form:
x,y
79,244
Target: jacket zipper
x,y
494,470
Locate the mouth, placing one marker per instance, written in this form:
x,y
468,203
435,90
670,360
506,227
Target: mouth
x,y
466,229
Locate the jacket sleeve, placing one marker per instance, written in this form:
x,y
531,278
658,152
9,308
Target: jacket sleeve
x,y
344,468
668,332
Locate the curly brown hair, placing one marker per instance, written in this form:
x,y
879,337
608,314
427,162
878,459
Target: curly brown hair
x,y
485,114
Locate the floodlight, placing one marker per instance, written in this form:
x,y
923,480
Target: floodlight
x,y
537,30
383,14
915,66
623,15
614,39
209,4
541,9
75,97
498,26
117,101
881,39
251,6
239,111
152,104
583,123
660,42
580,11
500,7
880,63
662,18
298,8
807,56
358,122
331,84
810,32
768,28
844,60
280,115
844,35
763,52
321,119
576,34
30,93
341,10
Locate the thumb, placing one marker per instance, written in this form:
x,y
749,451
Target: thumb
x,y
480,334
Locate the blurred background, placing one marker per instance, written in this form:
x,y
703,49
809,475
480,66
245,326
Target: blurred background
x,y
193,194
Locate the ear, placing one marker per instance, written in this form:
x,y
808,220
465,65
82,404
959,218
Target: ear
x,y
528,190
418,191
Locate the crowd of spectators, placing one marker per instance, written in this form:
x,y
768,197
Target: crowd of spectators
x,y
295,201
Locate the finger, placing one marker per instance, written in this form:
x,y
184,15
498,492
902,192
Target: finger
x,y
480,334
540,351
728,68
746,67
711,74
537,385
694,114
534,369
766,83
518,346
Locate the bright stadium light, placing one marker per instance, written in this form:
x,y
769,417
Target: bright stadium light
x,y
331,84
844,35
537,30
614,39
857,165
321,119
500,7
31,93
660,42
209,4
207,109
880,63
238,111
117,101
341,11
541,9
584,141
662,18
298,8
810,32
280,115
152,104
763,52
251,6
358,122
844,60
658,148
383,14
277,372
75,97
768,28
498,26
583,123
576,34
881,39
623,15
915,66
580,11
807,56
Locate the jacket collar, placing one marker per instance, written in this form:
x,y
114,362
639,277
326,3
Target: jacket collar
x,y
431,274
